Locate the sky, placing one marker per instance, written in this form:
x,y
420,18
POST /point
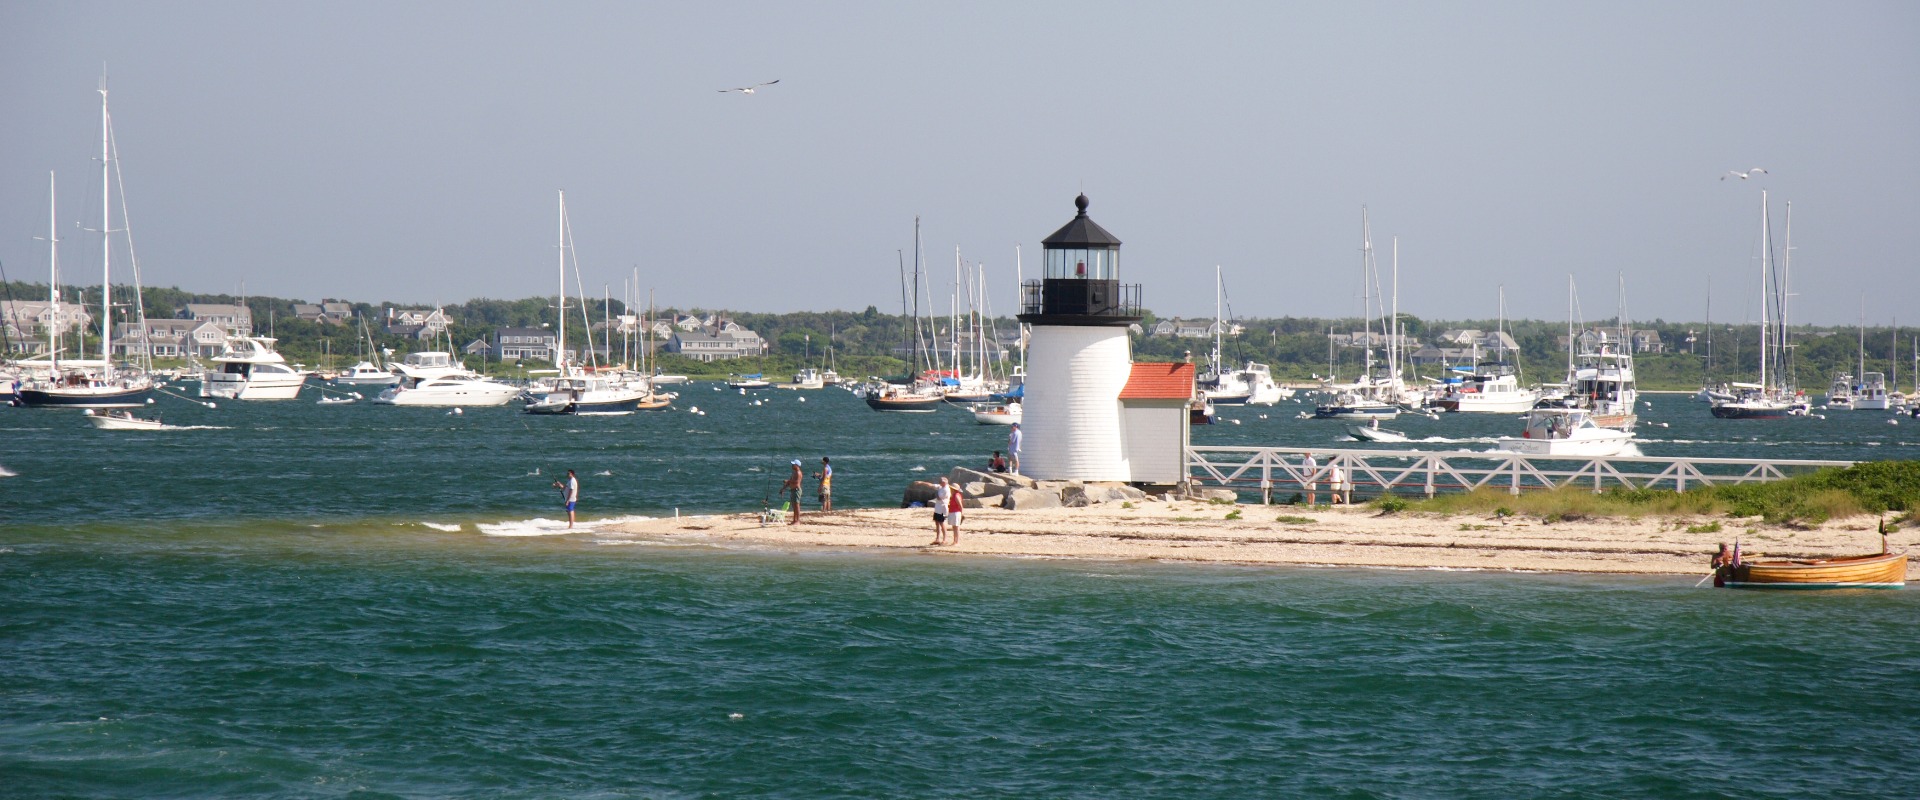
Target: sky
x,y
412,151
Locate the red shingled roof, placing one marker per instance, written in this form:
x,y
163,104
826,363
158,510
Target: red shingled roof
x,y
1159,382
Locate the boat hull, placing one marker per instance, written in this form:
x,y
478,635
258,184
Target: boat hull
x,y
1367,434
919,405
1751,411
1579,448
85,398
219,384
477,396
1356,412
1880,571
115,423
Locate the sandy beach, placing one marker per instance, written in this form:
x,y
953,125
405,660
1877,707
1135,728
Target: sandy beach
x,y
1357,537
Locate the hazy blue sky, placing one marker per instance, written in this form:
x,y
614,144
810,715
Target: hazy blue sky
x,y
410,151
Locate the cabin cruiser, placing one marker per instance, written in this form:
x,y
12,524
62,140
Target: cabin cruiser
x,y
366,373
1493,388
250,369
1603,384
997,414
754,381
1565,432
435,379
1873,393
1353,402
808,378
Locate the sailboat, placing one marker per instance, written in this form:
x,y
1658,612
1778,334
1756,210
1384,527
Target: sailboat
x,y
367,372
919,393
82,383
1371,396
577,390
1771,397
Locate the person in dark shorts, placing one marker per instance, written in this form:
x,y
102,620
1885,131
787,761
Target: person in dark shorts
x,y
941,498
792,490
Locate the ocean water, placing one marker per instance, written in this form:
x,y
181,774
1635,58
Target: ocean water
x,y
292,601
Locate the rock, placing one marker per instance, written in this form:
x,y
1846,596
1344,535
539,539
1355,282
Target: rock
x,y
921,492
990,490
962,475
972,502
1017,480
1210,495
975,489
1020,499
1076,495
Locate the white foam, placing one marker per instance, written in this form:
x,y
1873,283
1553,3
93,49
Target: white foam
x,y
538,526
449,527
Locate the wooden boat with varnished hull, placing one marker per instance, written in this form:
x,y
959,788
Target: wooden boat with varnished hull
x,y
1878,571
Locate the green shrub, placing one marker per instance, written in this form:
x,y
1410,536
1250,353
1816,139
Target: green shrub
x,y
1711,527
1389,504
1293,520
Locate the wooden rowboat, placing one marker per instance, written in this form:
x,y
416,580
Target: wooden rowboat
x,y
1878,571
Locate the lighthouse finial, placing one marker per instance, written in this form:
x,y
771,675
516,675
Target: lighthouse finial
x,y
1081,203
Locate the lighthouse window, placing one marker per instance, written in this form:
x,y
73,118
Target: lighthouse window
x,y
1083,263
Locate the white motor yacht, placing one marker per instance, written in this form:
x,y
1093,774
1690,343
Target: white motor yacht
x,y
435,379
1494,389
250,369
1565,432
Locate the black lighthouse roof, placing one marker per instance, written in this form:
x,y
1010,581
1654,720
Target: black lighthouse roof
x,y
1081,232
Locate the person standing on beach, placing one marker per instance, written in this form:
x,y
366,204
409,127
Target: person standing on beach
x,y
1311,482
826,484
1342,488
1013,448
941,496
570,492
792,490
954,500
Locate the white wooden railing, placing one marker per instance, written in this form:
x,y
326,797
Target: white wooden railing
x,y
1268,470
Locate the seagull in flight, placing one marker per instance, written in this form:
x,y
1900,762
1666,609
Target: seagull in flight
x,y
750,89
1733,173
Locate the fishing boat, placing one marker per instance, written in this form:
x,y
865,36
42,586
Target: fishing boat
x,y
250,369
1491,387
122,421
1565,432
806,378
999,414
1840,393
1202,412
1878,571
1873,393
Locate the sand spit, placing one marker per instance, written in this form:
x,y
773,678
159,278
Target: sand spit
x,y
1360,537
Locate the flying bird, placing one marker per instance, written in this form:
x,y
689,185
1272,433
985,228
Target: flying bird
x,y
1734,173
749,89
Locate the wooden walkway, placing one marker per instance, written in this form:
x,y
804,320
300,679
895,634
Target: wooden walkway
x,y
1271,470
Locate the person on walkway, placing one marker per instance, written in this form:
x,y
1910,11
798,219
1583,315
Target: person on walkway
x,y
1311,480
792,490
1342,488
826,484
1013,448
941,497
569,493
954,505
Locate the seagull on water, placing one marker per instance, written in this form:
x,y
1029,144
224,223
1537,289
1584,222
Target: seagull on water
x,y
1734,173
750,89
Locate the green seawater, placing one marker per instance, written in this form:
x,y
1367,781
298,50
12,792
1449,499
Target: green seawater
x,y
259,608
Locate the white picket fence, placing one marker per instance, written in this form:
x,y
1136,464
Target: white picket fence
x,y
1272,470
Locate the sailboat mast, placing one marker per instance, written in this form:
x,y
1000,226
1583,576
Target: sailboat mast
x,y
1218,290
1019,285
1766,339
560,308
106,239
53,287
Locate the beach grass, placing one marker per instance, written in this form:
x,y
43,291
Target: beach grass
x,y
1874,487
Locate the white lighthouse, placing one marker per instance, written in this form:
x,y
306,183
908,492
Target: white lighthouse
x,y
1087,417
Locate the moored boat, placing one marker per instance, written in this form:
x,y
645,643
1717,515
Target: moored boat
x,y
250,369
1006,414
897,398
1878,571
